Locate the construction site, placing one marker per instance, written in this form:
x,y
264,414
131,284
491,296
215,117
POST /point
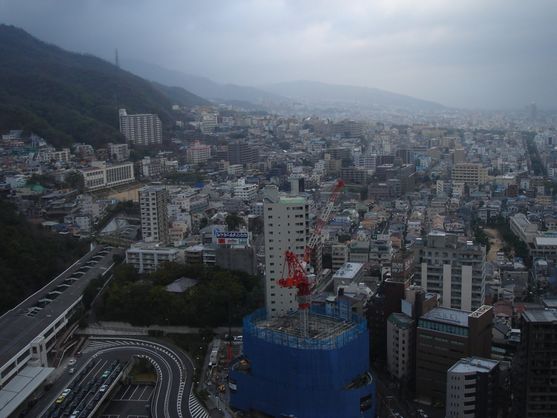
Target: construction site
x,y
312,362
283,373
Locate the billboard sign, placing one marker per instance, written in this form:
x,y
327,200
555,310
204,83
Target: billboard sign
x,y
232,238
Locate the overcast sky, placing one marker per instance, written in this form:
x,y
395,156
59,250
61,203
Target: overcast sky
x,y
464,53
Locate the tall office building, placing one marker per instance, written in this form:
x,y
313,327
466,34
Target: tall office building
x,y
453,269
469,173
141,129
535,366
443,337
240,152
400,346
472,388
153,202
286,223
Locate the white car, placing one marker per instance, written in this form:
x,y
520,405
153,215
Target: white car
x,y
72,362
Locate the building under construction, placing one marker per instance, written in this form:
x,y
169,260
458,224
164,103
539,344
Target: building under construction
x,y
305,366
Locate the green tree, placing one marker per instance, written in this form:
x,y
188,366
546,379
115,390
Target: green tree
x,y
74,180
233,221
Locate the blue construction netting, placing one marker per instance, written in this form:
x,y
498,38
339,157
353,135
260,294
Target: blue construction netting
x,y
306,378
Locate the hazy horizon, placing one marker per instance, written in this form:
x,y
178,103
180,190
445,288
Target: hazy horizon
x,y
466,54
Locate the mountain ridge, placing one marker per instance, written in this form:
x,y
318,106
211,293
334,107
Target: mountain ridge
x,y
315,91
199,85
280,92
70,97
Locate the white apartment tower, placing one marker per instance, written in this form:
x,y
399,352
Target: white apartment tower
x,y
453,269
286,223
141,129
153,202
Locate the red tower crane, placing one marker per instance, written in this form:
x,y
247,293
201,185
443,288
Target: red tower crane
x,y
296,269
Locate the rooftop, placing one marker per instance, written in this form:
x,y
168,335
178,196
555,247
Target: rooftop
x,y
20,387
448,316
543,241
540,315
400,319
181,285
292,200
348,270
473,365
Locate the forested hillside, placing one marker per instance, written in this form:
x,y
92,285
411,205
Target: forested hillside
x,y
29,256
66,97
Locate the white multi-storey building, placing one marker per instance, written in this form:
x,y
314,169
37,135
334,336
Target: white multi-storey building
x,y
103,176
209,122
118,152
523,228
245,192
198,153
453,269
367,162
141,129
153,202
286,223
147,258
472,388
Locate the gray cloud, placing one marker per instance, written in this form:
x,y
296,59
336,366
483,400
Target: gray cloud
x,y
475,53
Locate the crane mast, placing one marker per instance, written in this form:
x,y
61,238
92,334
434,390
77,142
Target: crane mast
x,y
297,276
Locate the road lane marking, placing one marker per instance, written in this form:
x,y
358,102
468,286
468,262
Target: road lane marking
x,y
133,393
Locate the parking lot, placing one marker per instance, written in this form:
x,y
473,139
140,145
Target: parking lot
x,y
130,401
124,416
133,393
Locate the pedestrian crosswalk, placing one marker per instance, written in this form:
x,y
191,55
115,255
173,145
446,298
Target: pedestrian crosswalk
x,y
196,409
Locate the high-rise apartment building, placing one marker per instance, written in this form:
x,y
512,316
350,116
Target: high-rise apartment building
x,y
472,388
400,346
141,129
453,269
286,225
198,153
443,337
469,173
153,202
535,366
240,152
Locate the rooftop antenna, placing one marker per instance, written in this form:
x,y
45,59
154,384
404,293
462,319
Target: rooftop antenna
x,y
116,60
